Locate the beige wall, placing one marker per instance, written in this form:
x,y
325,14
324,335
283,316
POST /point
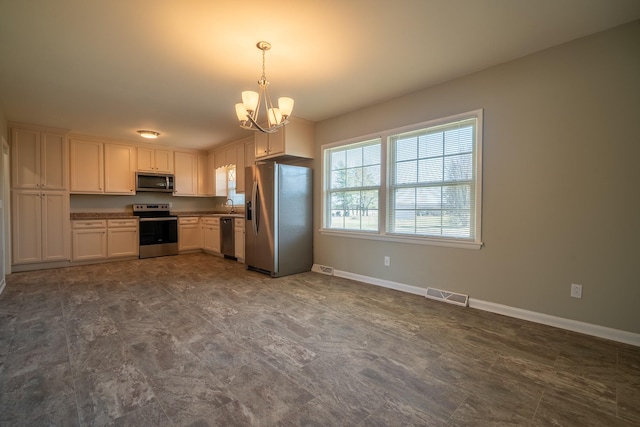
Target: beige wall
x,y
561,193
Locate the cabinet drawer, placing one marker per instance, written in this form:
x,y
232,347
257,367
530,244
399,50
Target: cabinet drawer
x,y
210,221
95,223
122,223
238,223
188,220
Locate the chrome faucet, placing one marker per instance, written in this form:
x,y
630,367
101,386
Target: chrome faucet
x,y
232,208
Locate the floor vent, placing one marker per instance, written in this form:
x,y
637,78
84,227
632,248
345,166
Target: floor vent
x,y
446,296
322,269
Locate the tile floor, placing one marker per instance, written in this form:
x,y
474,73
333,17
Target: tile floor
x,y
198,340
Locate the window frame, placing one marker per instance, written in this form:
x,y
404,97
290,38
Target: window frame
x,y
385,187
327,192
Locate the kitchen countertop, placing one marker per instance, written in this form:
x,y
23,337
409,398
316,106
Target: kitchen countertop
x,y
102,215
209,213
125,215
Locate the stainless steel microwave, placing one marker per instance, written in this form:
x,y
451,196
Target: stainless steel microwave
x,y
160,182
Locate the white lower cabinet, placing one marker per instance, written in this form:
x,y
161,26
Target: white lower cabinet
x,y
210,234
40,226
189,237
89,239
238,230
122,238
99,239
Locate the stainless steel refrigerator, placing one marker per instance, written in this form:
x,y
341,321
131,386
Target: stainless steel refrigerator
x,y
278,219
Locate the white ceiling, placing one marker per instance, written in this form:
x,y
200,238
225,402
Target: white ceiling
x,y
108,68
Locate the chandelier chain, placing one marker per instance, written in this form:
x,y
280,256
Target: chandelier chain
x,y
264,72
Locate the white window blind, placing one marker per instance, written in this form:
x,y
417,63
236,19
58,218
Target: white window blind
x,y
432,181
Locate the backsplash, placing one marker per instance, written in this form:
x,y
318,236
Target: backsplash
x,y
118,204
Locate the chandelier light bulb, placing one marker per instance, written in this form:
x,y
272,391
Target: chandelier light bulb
x,y
275,117
241,112
250,100
285,105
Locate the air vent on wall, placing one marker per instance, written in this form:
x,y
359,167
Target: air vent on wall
x,y
322,269
446,296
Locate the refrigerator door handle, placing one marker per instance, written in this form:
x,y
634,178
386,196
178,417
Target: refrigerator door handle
x,y
256,211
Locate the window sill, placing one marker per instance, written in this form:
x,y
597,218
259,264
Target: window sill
x,y
452,243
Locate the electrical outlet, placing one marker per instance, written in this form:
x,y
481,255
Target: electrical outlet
x,y
387,261
576,290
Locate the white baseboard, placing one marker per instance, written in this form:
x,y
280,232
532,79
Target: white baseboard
x,y
558,322
384,283
532,316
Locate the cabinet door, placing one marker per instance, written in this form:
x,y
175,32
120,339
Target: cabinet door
x,y
26,208
87,166
189,237
207,238
239,243
203,174
276,141
240,169
89,244
119,167
122,242
55,226
145,160
215,238
249,154
163,161
261,141
25,159
186,174
211,172
53,161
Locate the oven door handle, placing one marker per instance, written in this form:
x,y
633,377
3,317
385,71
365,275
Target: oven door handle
x,y
164,218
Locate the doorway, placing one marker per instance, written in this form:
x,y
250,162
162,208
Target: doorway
x,y
5,237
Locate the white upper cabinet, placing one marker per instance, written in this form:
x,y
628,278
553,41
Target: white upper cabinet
x,y
157,160
119,169
186,173
295,139
39,159
87,166
204,183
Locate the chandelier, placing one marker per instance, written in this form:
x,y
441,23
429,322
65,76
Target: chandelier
x,y
248,110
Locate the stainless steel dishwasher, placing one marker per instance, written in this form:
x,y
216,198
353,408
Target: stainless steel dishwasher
x,y
227,246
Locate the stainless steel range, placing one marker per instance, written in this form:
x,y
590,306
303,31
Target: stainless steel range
x,y
158,230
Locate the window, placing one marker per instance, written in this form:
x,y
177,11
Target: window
x,y
353,173
226,184
238,199
427,177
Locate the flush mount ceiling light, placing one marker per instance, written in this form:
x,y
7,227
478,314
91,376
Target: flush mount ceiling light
x,y
150,134
247,111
